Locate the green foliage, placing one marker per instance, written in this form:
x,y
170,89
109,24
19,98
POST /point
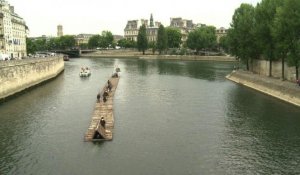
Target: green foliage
x,y
174,37
162,39
202,38
67,42
224,43
264,22
125,43
142,41
242,36
153,46
106,39
287,33
94,41
30,46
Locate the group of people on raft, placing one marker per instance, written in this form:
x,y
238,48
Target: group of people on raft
x,y
105,94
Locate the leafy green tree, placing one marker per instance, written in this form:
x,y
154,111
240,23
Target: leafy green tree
x,y
174,37
152,45
142,41
241,35
30,46
202,38
106,39
286,30
264,20
40,44
53,43
67,41
224,43
162,39
94,41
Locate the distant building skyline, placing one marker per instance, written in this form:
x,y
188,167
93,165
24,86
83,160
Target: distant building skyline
x,y
94,16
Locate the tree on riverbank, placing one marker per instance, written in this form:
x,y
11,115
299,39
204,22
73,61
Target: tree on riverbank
x,y
42,44
241,36
142,41
286,30
174,37
126,43
202,38
264,22
162,39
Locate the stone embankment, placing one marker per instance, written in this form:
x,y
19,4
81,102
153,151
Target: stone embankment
x,y
18,75
138,55
284,90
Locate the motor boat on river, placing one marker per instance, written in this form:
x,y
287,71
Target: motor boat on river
x,y
85,72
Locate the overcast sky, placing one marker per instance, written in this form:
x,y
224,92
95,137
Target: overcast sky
x,y
94,16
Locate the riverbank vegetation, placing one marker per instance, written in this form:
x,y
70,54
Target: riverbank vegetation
x,y
43,44
269,30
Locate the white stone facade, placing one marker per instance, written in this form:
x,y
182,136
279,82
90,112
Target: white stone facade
x,y
12,32
131,30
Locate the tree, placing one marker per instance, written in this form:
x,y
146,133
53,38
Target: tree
x,y
264,21
286,30
174,37
67,41
40,44
162,39
142,41
30,46
53,43
94,41
152,45
224,43
202,38
106,39
241,36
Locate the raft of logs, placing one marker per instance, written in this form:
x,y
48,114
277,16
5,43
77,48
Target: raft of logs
x,y
102,122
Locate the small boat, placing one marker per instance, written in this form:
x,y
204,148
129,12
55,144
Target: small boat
x,y
85,72
66,58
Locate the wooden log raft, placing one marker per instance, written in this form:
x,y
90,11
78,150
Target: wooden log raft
x,y
103,109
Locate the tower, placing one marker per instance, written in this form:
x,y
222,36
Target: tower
x,y
151,21
59,30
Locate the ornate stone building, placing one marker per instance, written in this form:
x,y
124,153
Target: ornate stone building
x,y
131,30
221,32
184,25
12,32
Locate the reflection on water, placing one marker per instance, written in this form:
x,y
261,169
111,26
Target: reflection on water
x,y
172,117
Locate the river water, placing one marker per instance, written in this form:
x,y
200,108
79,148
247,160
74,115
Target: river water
x,y
171,118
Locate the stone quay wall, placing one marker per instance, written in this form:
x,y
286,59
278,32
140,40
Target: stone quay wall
x,y
18,75
284,90
261,67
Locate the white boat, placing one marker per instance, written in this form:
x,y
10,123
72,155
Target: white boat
x,y
85,72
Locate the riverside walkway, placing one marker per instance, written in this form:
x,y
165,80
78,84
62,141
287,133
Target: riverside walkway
x,y
96,131
284,90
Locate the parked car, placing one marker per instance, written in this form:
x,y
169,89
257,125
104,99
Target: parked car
x,y
4,57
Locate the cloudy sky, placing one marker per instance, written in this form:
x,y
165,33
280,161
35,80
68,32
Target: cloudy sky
x,y
94,16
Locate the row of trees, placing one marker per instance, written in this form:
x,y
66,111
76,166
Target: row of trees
x,y
102,41
60,43
270,31
202,38
166,38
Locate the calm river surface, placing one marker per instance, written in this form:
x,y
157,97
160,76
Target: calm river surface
x,y
171,118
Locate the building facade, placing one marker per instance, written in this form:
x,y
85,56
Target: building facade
x,y
60,31
131,30
220,33
184,25
82,39
12,32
